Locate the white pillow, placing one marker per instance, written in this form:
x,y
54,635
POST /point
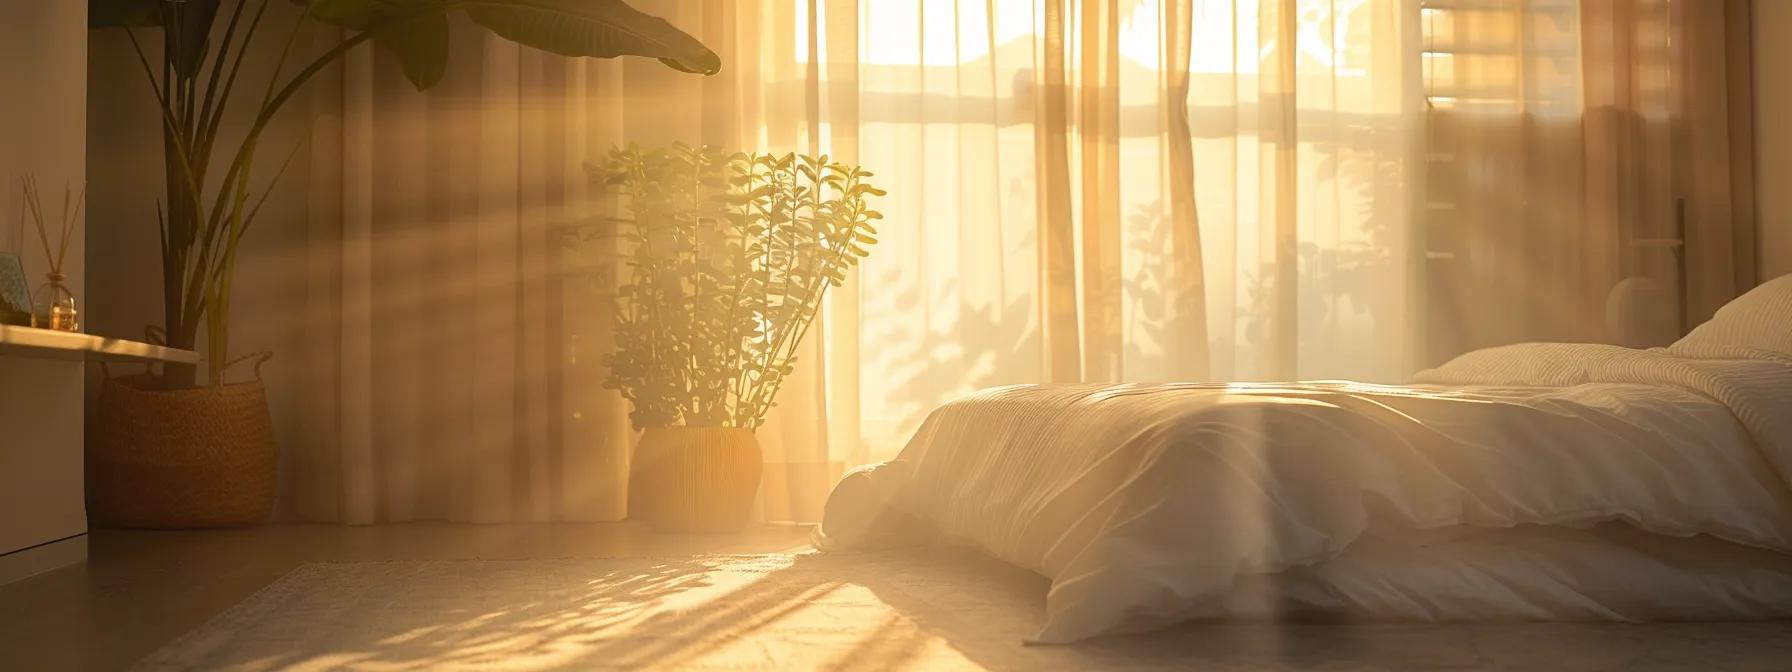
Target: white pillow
x,y
1760,320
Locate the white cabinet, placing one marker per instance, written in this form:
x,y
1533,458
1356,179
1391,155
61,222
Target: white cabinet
x,y
43,512
43,519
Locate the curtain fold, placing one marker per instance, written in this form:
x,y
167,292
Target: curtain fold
x,y
1108,190
1186,300
1717,115
436,353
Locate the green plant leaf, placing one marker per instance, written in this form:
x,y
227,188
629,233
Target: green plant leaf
x,y
599,28
719,292
416,31
421,48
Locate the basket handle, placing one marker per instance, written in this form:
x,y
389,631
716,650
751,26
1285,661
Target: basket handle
x,y
259,357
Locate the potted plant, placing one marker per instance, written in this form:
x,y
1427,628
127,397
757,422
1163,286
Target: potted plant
x,y
165,440
728,258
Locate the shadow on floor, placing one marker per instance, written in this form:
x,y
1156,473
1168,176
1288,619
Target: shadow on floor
x,y
897,609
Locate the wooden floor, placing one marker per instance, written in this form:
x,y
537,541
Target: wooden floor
x,y
141,589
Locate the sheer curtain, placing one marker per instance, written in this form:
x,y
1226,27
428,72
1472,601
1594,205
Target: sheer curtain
x,y
1101,191
1104,191
430,375
1133,191
1575,144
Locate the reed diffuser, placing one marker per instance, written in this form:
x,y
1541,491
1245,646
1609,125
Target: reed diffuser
x,y
53,305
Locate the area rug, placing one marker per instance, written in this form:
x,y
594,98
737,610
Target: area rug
x,y
899,610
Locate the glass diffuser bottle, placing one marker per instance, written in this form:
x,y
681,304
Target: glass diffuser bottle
x,y
53,306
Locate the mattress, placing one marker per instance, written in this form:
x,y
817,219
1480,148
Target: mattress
x,y
1147,505
1607,572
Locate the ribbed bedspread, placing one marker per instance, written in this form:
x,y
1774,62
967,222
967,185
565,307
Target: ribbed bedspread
x,y
1148,504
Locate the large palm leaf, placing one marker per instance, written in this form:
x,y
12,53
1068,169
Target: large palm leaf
x,y
600,28
417,30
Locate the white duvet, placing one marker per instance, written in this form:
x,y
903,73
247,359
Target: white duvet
x,y
1147,505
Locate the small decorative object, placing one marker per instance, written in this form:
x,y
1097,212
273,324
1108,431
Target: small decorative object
x,y
728,258
53,305
15,297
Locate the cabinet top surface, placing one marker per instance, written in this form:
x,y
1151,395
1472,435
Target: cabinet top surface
x,y
43,343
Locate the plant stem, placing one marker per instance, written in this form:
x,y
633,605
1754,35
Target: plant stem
x,y
208,290
784,344
273,105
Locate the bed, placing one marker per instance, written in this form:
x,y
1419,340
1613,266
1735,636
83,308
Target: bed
x,y
1534,481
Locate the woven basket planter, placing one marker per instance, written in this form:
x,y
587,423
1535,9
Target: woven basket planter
x,y
696,479
188,458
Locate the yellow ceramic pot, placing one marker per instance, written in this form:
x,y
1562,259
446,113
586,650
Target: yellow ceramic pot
x,y
695,479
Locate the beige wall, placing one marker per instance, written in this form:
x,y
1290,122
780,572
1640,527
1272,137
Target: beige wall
x,y
43,130
1773,111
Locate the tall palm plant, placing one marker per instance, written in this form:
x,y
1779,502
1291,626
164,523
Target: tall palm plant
x,y
207,212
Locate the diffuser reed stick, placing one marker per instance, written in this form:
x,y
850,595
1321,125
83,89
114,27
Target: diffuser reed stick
x,y
54,307
71,212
